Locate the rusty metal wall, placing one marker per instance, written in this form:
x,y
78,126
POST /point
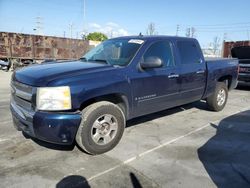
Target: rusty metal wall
x,y
24,46
227,46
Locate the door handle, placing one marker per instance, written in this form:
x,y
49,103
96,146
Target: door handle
x,y
173,76
200,72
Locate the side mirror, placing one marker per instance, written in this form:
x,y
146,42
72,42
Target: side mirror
x,y
151,62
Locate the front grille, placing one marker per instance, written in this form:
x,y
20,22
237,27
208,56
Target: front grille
x,y
21,91
21,107
21,100
22,87
22,103
244,68
248,70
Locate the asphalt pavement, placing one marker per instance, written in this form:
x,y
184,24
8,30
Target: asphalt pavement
x,y
187,146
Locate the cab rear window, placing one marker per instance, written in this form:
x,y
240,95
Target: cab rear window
x,y
189,52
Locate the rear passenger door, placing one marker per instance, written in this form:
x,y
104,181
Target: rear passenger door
x,y
192,70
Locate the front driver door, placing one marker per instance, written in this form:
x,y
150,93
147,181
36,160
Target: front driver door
x,y
155,89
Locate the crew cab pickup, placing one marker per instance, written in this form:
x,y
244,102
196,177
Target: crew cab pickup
x,y
90,100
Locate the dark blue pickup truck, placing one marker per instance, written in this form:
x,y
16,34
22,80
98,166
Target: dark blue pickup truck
x,y
89,100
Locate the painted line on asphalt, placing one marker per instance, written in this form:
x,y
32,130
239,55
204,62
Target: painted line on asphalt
x,y
105,172
4,139
4,106
5,99
6,121
157,147
147,152
11,138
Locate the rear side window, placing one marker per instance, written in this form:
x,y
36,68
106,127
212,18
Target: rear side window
x,y
162,50
189,52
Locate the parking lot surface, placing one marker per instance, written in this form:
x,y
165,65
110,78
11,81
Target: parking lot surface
x,y
187,146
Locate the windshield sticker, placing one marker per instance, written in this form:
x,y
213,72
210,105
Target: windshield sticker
x,y
136,41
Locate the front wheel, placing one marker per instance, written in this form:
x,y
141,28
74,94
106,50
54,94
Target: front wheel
x,y
218,99
101,127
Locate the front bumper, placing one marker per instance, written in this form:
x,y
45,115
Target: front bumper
x,y
53,127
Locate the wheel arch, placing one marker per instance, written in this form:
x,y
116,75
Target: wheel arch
x,y
227,80
117,98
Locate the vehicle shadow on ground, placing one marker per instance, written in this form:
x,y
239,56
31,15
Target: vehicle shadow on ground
x,y
245,87
226,156
201,105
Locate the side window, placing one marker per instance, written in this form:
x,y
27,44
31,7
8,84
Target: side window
x,y
189,53
162,50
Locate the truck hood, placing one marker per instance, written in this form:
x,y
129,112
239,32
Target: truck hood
x,y
42,75
241,52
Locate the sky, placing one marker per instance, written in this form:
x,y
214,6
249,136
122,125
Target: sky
x,y
227,20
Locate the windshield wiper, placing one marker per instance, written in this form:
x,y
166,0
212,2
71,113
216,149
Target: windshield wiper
x,y
83,59
103,61
100,60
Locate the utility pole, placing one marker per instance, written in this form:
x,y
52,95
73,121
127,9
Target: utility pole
x,y
84,30
225,37
70,29
111,34
177,29
193,30
84,13
39,25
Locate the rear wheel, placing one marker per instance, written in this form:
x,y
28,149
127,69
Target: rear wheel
x,y
101,128
218,99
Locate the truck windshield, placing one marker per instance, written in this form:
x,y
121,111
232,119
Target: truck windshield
x,y
114,51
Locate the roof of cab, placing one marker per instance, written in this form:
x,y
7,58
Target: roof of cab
x,y
154,37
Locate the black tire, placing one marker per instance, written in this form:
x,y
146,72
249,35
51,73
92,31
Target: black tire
x,y
86,131
213,102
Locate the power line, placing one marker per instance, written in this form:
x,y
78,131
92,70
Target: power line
x,y
223,28
221,31
221,24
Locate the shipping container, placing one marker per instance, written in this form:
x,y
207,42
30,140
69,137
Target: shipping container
x,y
36,47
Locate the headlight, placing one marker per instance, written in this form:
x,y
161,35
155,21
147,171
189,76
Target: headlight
x,y
53,98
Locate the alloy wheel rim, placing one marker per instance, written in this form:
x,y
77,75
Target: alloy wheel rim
x,y
221,97
104,129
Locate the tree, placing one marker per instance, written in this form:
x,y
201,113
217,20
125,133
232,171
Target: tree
x,y
188,32
97,36
151,29
193,30
216,46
